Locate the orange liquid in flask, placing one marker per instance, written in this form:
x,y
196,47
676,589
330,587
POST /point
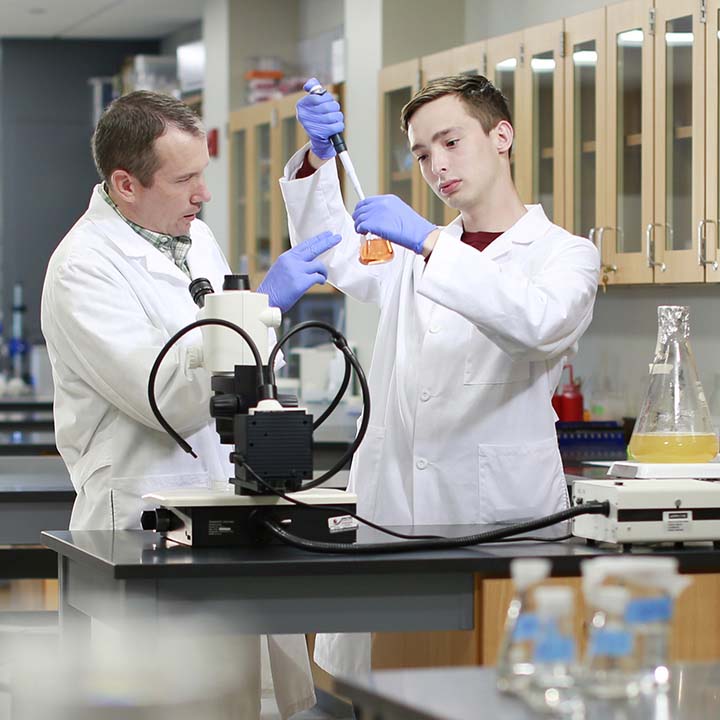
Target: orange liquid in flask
x,y
375,250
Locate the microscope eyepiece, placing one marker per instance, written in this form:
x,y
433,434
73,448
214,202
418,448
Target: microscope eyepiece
x,y
199,288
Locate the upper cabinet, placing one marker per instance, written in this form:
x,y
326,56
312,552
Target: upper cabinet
x,y
617,132
541,148
399,173
708,229
585,127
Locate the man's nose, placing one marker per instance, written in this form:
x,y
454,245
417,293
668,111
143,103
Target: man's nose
x,y
202,193
438,163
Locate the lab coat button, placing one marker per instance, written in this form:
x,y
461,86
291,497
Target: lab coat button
x,y
434,329
421,464
424,395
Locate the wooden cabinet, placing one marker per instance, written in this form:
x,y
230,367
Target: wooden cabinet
x,y
585,127
504,61
708,229
540,105
679,171
399,173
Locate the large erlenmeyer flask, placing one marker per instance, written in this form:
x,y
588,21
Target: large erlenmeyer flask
x,y
674,424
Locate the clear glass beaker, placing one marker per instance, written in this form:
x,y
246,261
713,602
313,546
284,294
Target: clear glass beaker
x,y
375,250
674,424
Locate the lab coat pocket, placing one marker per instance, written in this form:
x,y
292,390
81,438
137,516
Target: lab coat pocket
x,y
127,505
366,470
89,464
487,364
520,481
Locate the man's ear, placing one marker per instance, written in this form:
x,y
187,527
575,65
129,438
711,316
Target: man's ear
x,y
123,185
502,135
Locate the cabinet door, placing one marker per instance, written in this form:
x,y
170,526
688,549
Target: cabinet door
x,y
288,138
630,142
433,67
679,139
399,173
585,130
708,230
251,189
542,103
504,61
237,257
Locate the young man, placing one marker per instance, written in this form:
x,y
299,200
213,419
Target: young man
x,y
476,320
116,290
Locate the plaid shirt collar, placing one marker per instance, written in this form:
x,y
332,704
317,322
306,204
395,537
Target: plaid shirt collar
x,y
175,248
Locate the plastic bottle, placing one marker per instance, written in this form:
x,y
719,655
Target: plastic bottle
x,y
514,665
4,358
609,670
653,584
553,688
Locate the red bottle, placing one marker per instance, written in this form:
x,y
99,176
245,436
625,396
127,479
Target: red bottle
x,y
568,404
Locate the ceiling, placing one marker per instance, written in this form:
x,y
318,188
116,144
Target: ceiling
x,y
96,18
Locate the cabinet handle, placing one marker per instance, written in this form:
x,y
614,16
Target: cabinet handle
x,y
600,235
702,246
650,247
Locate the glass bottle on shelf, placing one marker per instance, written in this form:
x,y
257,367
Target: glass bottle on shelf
x,y
674,423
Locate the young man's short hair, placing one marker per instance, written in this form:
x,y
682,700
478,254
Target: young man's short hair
x,y
481,98
124,138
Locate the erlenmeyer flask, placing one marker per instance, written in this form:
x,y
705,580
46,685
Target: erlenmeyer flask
x,y
674,424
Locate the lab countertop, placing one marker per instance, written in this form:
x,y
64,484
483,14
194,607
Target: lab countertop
x,y
467,693
144,554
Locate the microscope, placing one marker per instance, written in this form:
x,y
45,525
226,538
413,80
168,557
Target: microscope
x,y
272,438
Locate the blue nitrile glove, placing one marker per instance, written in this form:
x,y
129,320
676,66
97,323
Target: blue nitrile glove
x,y
296,271
321,117
389,217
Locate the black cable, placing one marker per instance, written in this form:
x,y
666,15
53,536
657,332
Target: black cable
x,y
166,348
338,396
341,344
339,508
488,536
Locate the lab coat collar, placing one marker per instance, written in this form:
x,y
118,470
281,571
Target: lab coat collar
x,y
526,230
120,234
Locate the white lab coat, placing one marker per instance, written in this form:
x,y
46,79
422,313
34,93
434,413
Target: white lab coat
x,y
110,302
468,352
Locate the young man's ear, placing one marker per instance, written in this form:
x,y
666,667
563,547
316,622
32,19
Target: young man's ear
x,y
502,135
123,184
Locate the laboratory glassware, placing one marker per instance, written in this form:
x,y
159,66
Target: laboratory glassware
x,y
674,424
514,665
374,250
609,670
553,687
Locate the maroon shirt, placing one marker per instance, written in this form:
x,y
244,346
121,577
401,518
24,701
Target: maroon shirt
x,y
479,240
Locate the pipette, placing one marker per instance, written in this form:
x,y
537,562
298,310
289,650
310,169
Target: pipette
x,y
373,250
338,142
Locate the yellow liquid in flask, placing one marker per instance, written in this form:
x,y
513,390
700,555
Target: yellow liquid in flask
x,y
674,447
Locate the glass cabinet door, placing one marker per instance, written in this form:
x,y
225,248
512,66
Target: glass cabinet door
x,y
238,199
433,67
585,136
288,137
708,230
630,142
399,173
679,139
504,57
543,105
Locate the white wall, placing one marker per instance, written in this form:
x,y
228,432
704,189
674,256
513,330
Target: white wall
x,y
216,107
490,18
